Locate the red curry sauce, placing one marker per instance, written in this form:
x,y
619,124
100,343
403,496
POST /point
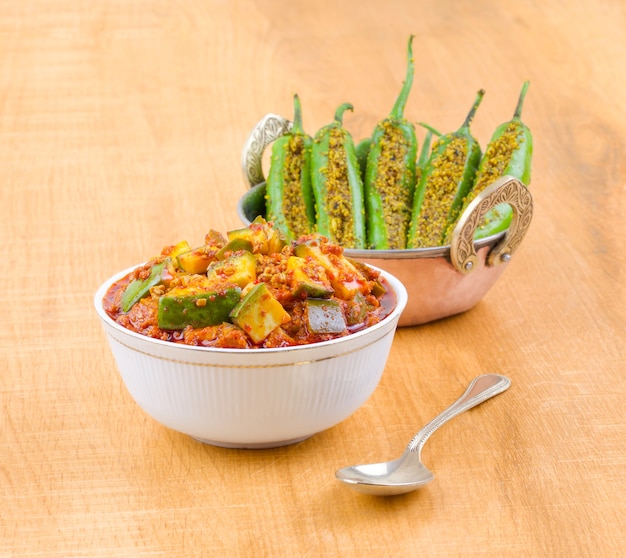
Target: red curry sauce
x,y
373,298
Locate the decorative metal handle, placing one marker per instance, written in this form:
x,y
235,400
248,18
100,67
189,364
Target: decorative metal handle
x,y
504,190
269,128
480,389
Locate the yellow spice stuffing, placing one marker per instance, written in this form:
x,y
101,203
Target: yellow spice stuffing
x,y
439,193
496,159
294,208
395,197
338,193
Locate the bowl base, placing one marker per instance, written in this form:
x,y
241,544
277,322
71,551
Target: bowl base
x,y
253,445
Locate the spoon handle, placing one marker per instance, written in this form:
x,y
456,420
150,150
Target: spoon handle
x,y
480,389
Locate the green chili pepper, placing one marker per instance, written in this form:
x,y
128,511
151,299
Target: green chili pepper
x,y
446,180
362,152
390,173
289,196
139,288
509,152
422,160
337,184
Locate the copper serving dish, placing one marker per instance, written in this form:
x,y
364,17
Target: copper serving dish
x,y
441,281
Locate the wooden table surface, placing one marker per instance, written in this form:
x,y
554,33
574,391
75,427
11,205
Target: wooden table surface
x,y
121,129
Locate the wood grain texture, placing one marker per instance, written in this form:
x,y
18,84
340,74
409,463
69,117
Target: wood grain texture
x,y
121,128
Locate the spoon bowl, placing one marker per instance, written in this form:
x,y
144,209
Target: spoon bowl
x,y
408,473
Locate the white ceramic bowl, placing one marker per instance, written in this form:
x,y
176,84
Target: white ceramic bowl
x,y
252,398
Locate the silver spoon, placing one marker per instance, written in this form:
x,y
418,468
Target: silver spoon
x,y
408,472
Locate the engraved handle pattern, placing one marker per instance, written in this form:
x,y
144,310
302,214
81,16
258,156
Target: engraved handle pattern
x,y
480,389
269,128
504,190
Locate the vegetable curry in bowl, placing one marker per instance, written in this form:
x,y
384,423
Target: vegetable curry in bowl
x,y
250,289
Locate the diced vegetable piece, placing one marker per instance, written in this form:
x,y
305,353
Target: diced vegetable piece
x,y
239,268
254,238
197,260
215,239
139,288
309,278
275,239
265,239
259,313
175,251
344,277
356,310
378,289
324,316
234,245
182,307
